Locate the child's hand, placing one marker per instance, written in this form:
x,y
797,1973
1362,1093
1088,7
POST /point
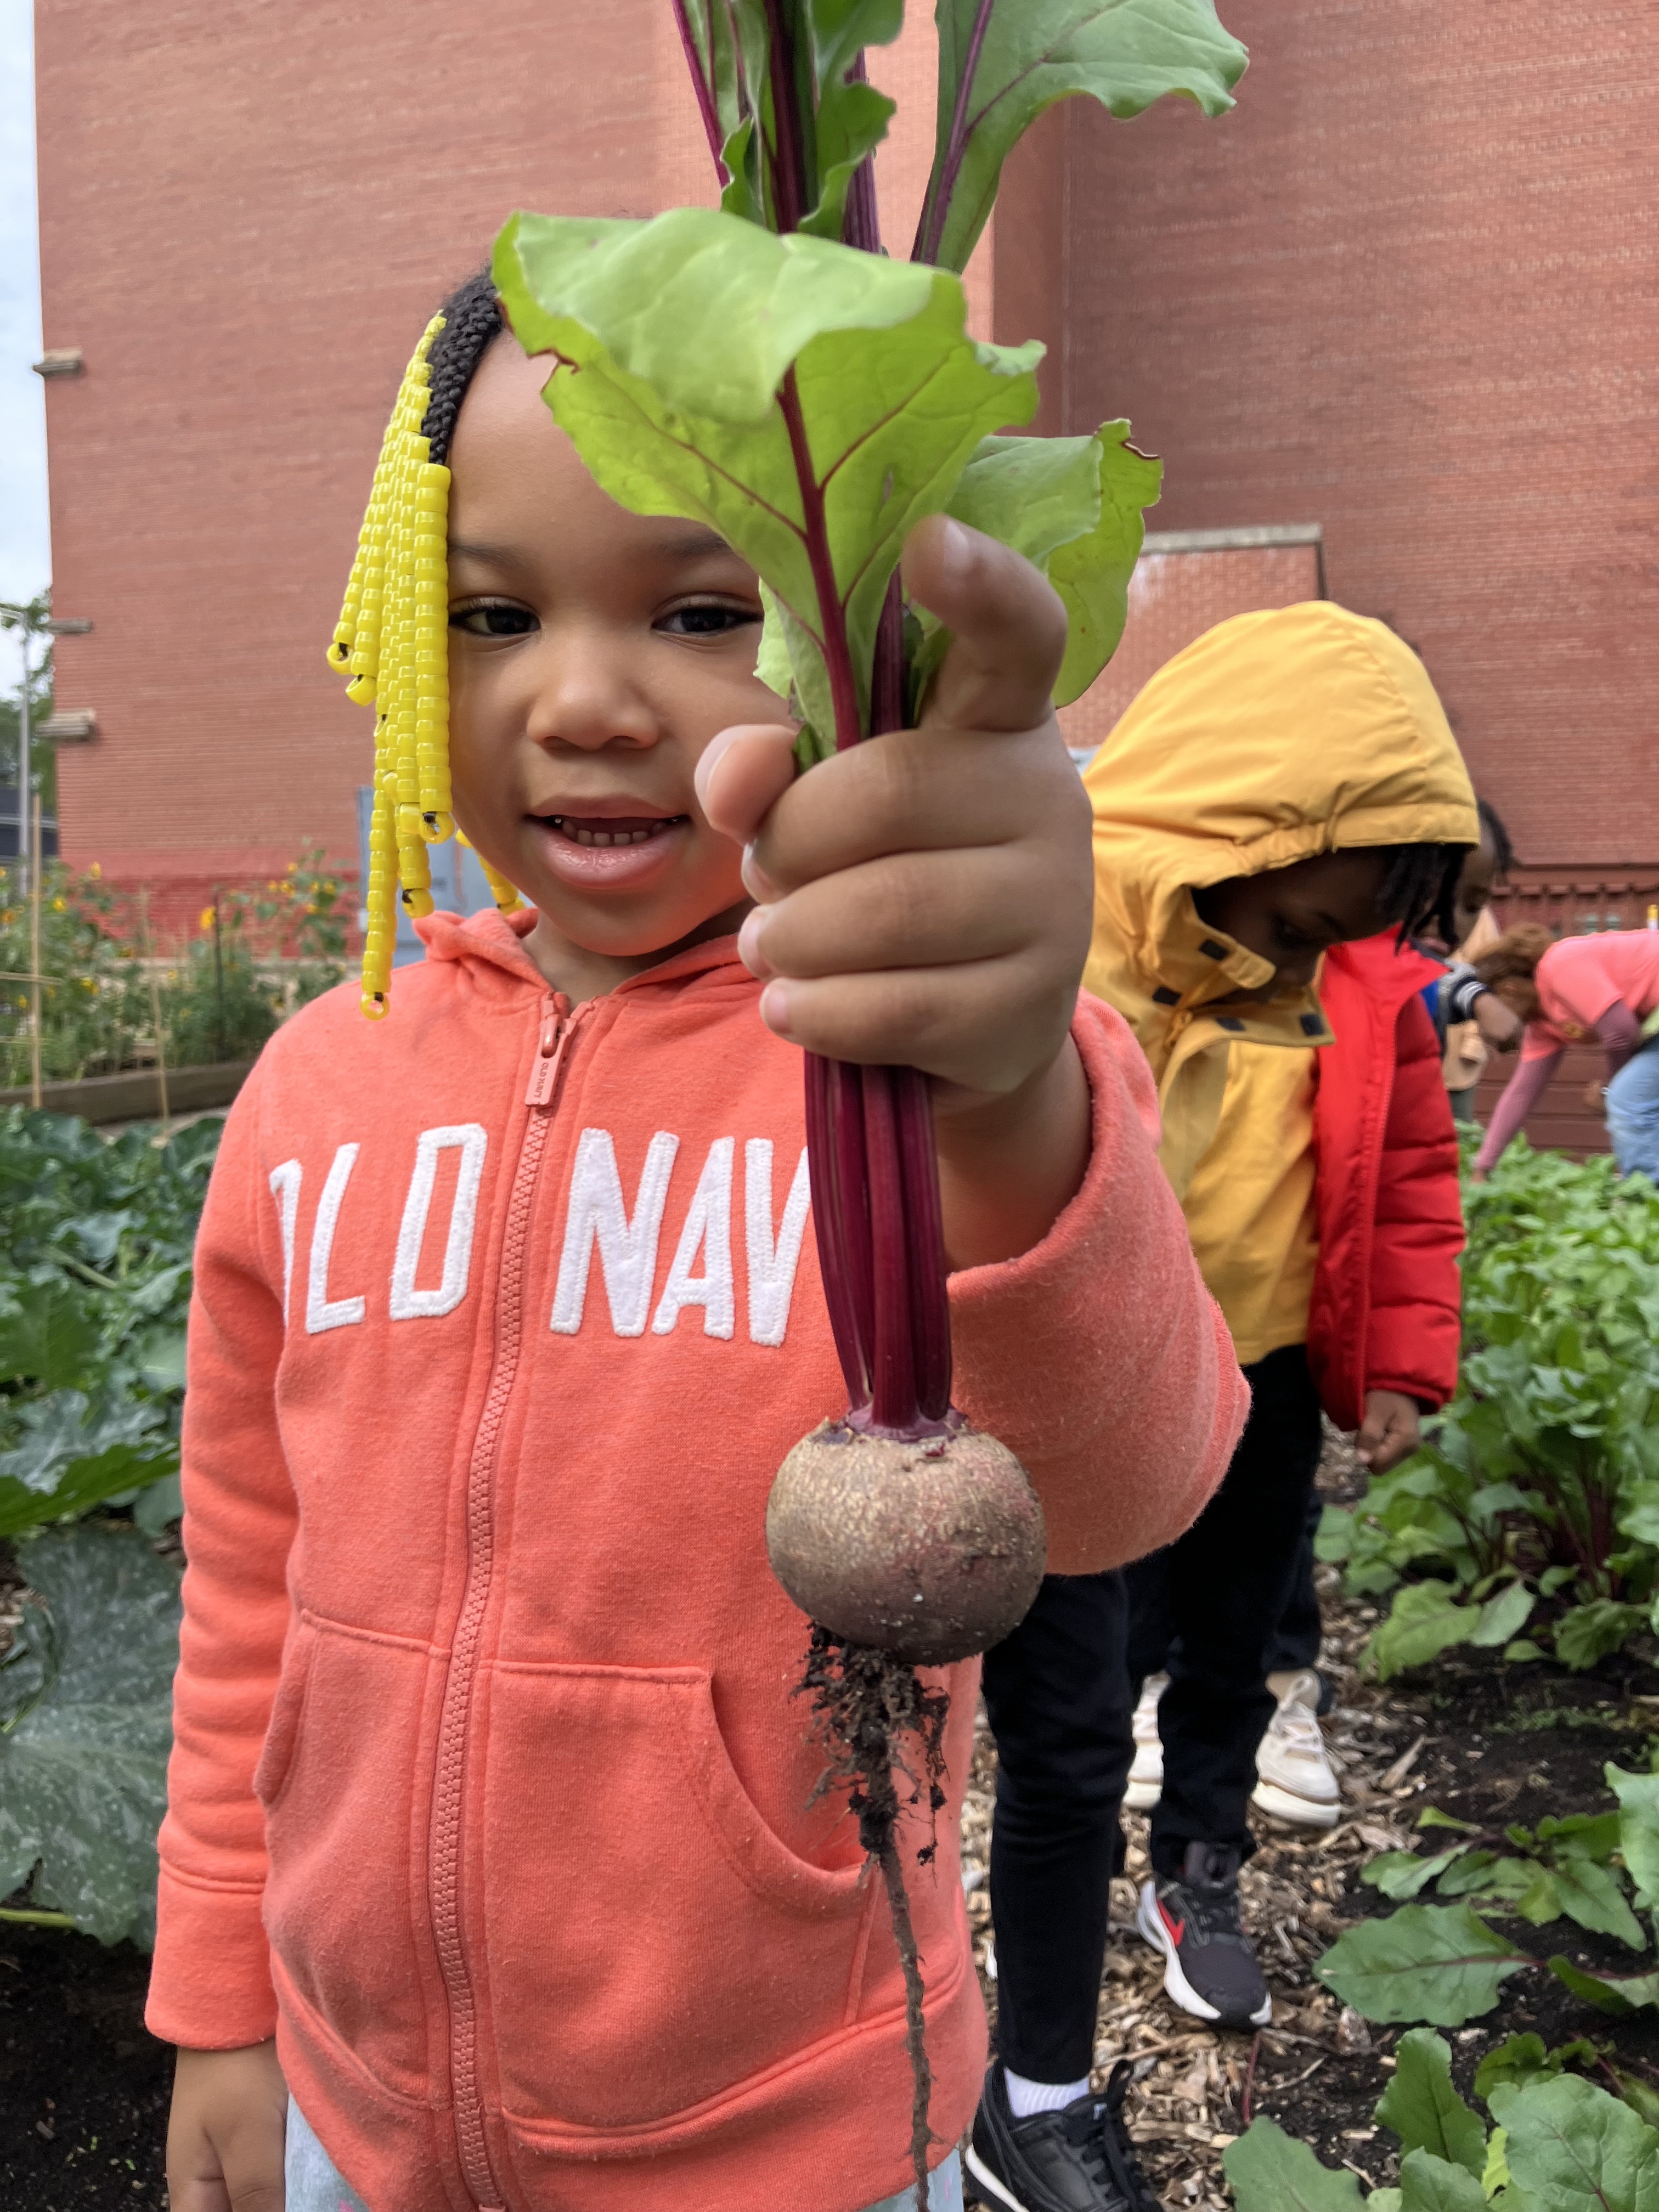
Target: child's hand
x,y
225,2131
928,898
1392,1431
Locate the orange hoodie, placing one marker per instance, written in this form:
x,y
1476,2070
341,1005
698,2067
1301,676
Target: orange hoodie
x,y
489,1794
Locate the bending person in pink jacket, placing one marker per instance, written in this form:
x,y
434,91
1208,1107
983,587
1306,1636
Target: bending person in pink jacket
x,y
1568,990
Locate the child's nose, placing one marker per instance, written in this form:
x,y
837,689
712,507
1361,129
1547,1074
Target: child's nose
x,y
584,699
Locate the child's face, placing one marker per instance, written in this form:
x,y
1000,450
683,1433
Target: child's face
x,y
1292,916
1474,884
594,654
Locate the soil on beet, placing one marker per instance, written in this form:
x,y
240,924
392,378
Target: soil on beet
x,y
83,2087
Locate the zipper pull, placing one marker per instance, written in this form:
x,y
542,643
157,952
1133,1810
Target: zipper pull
x,y
550,1050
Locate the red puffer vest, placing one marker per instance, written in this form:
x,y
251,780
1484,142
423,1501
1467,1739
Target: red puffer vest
x,y
1385,1314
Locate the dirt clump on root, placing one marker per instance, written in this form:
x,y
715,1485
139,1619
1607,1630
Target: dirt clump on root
x,y
930,1549
883,1732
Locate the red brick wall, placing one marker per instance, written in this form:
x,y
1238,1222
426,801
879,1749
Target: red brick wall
x,y
1405,290
247,214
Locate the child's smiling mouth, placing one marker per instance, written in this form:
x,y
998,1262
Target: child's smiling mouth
x,y
605,852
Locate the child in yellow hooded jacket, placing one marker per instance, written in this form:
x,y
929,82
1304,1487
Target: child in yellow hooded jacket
x,y
1276,808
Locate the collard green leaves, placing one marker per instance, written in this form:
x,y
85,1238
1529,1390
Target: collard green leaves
x,y
83,1767
1001,64
677,337
1571,2148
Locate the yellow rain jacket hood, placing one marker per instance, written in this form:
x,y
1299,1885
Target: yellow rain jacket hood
x,y
1273,736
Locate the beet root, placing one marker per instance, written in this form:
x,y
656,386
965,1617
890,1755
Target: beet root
x,y
931,1549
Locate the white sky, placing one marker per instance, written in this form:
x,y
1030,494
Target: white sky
x,y
25,547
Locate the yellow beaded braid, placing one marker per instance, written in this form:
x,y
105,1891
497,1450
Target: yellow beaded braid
x,y
392,638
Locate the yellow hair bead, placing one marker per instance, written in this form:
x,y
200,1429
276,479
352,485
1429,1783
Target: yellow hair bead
x,y
393,640
505,894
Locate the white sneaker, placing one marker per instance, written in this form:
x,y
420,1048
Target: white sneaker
x,y
1145,1784
1294,1780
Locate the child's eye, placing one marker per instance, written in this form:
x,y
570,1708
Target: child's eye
x,y
706,618
1293,939
493,618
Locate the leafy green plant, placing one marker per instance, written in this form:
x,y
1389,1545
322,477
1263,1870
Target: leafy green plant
x,y
95,1242
1446,1964
1535,1506
1560,2144
85,1727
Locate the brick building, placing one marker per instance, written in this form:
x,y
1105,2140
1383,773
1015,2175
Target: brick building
x,y
1401,298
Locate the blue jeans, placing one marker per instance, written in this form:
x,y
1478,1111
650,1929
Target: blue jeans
x,y
314,2185
1634,1113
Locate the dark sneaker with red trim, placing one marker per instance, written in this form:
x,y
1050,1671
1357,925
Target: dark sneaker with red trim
x,y
1078,2160
1209,1968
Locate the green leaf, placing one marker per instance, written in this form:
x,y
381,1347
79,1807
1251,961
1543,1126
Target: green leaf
x,y
1617,1994
1638,1829
1573,2147
74,1454
49,1338
1424,2110
1440,1963
1424,1622
1640,1517
675,337
1124,54
1540,1900
1428,2184
83,1773
1590,1895
1072,506
1642,2100
1523,1650
1589,1631
1503,1617
1496,2177
1268,2172
1432,1817
1514,2063
1401,1873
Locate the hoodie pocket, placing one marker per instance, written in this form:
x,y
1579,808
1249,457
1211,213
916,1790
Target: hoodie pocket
x,y
651,1943
337,1779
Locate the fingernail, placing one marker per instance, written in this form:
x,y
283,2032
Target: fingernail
x,y
756,881
709,761
749,945
775,1008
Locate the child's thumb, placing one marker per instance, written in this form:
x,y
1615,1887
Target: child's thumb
x,y
1007,623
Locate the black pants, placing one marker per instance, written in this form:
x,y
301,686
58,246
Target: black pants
x,y
1060,1693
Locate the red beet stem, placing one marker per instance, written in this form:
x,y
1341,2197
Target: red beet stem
x,y
924,1222
828,1218
893,1399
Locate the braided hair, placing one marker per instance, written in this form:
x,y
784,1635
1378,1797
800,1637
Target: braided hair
x,y
392,638
1419,887
473,321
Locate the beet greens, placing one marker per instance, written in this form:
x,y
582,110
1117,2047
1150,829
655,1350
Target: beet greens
x,y
766,370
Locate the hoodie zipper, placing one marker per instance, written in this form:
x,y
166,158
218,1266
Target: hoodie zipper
x,y
445,1850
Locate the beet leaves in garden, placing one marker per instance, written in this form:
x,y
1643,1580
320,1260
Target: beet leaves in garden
x,y
766,370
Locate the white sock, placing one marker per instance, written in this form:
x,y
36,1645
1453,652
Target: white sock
x,y
1026,2098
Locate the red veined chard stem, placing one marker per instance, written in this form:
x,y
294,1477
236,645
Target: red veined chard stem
x,y
937,206
702,85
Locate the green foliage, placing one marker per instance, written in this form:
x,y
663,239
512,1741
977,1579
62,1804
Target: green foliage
x,y
95,1242
85,1727
1561,2144
249,960
1425,1962
1269,2171
1124,54
1535,1502
809,402
1424,2110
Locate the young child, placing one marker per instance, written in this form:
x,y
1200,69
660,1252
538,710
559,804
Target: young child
x,y
492,1839
1569,990
1471,1019
1276,805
